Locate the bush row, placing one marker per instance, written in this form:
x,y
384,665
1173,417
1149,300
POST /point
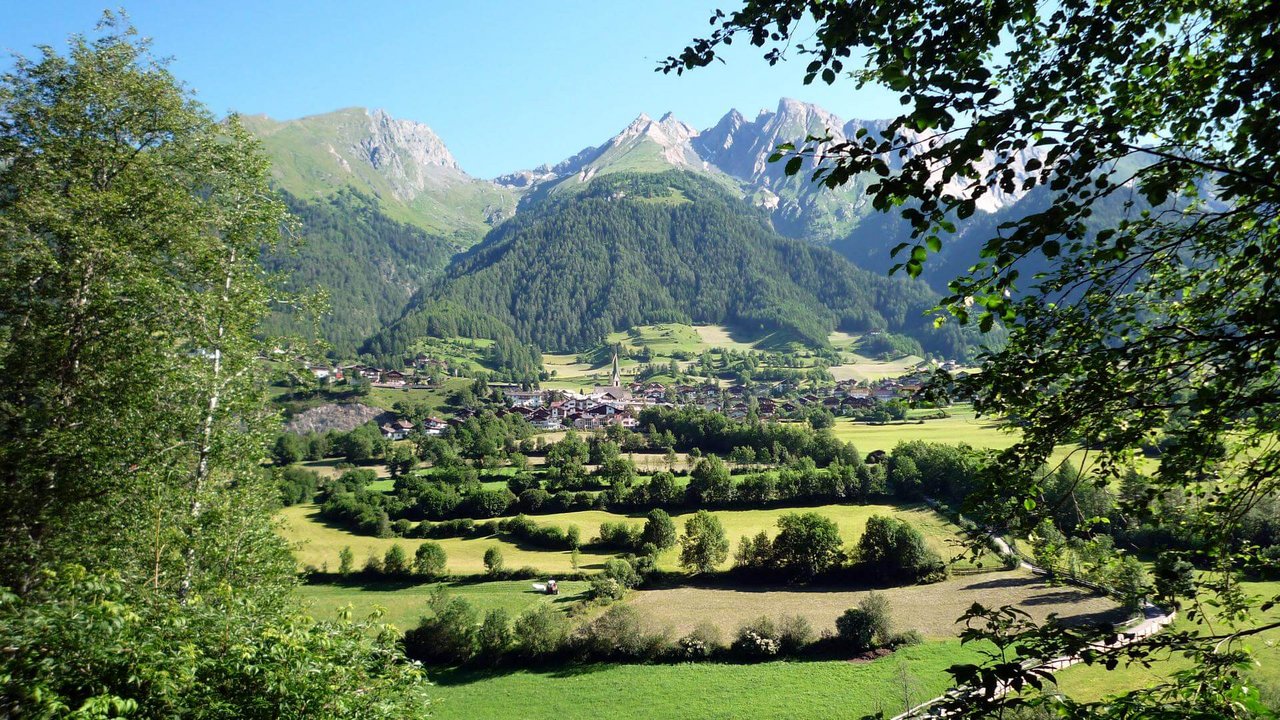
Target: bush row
x,y
455,634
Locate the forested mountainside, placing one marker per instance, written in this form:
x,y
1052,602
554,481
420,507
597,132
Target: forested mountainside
x,y
368,265
633,249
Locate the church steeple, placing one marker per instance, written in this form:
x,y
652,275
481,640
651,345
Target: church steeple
x,y
615,380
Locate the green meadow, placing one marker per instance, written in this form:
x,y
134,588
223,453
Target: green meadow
x,y
796,690
403,603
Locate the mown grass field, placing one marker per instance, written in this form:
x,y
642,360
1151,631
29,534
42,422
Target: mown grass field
x,y
930,609
435,398
851,519
318,544
705,691
962,427
1090,683
404,603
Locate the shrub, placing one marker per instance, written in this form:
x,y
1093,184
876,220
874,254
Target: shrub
x,y
703,642
876,606
540,631
757,639
429,559
298,485
618,634
906,638
495,637
856,630
493,564
605,589
622,571
619,535
525,530
794,633
395,562
448,636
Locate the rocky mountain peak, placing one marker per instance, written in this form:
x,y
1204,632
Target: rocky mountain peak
x,y
406,152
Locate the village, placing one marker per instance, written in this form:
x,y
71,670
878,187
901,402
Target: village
x,y
620,402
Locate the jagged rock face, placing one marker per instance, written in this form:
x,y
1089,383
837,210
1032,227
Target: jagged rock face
x,y
736,150
408,154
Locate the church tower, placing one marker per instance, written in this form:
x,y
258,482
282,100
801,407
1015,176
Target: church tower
x,y
615,380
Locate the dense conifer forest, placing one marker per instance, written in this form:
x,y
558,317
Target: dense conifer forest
x,y
367,264
671,247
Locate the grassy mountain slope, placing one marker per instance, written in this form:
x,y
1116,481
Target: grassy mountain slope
x,y
401,163
669,247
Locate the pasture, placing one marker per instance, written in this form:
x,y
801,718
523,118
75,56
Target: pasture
x,y
404,603
318,544
961,427
797,690
930,609
851,519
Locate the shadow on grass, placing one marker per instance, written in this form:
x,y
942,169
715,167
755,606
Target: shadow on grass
x,y
1014,581
1103,618
571,668
1058,597
728,581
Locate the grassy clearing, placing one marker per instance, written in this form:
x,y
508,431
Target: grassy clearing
x,y
930,609
858,367
1089,683
404,603
796,690
663,339
962,427
328,468
851,519
318,544
435,398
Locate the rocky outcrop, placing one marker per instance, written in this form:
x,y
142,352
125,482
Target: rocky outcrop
x,y
343,417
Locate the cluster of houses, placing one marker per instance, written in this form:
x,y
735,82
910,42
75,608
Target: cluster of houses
x,y
615,404
417,374
619,404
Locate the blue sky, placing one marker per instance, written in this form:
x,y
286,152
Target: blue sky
x,y
507,85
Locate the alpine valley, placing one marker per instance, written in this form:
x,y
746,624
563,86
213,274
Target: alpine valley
x,y
661,223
